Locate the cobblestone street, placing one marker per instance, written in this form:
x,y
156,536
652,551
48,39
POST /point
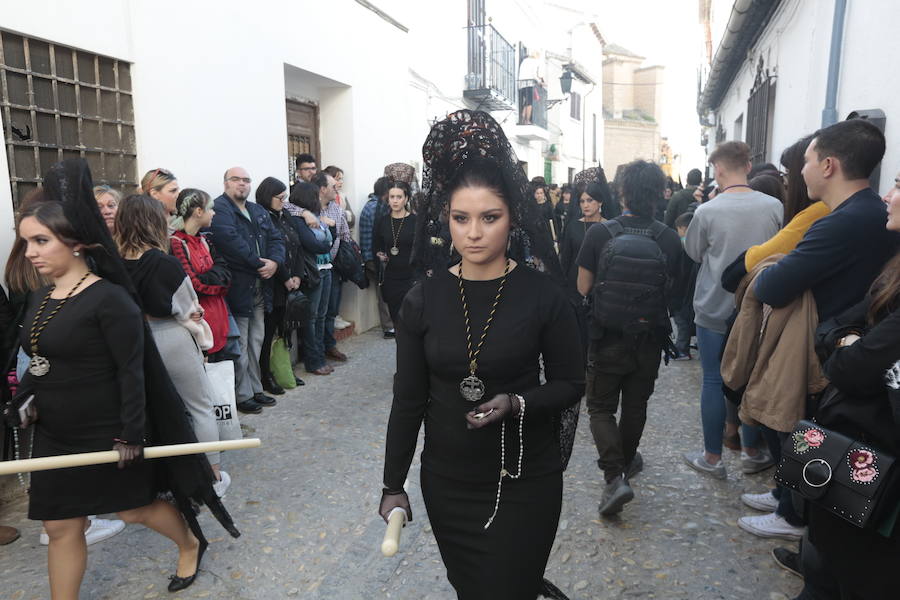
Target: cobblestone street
x,y
306,505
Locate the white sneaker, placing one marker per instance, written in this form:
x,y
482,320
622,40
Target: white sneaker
x,y
102,529
221,486
770,526
97,531
340,323
765,501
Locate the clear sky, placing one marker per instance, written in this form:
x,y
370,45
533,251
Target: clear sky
x,y
668,33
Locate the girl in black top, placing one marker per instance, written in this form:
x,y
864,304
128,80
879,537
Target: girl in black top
x,y
271,194
89,371
539,194
173,313
492,462
393,242
590,204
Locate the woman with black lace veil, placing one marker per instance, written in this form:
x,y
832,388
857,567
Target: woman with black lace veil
x,y
470,342
99,384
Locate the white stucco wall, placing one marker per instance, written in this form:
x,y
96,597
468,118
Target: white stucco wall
x,y
795,46
209,85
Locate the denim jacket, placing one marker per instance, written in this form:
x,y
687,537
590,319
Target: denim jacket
x,y
243,242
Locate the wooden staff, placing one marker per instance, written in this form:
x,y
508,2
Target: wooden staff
x,y
65,461
553,235
396,522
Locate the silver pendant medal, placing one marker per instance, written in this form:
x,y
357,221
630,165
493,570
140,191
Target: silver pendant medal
x,y
38,366
472,388
395,251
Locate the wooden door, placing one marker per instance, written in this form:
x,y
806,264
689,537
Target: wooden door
x,y
303,133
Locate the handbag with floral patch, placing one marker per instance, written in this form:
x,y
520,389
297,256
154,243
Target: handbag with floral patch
x,y
836,472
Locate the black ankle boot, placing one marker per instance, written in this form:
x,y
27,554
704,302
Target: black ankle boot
x,y
270,386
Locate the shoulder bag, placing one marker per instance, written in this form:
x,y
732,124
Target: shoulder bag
x,y
847,477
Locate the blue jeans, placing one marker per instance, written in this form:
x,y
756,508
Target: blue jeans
x,y
684,322
314,328
334,305
712,400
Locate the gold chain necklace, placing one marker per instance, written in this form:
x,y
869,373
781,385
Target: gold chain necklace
x,y
472,388
39,365
396,236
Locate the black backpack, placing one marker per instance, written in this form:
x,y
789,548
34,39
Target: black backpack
x,y
631,280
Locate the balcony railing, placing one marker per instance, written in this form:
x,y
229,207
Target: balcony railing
x,y
534,96
491,78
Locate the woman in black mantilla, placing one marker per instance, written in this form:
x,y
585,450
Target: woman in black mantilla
x,y
393,244
93,367
493,457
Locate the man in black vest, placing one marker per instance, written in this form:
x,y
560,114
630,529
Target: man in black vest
x,y
629,329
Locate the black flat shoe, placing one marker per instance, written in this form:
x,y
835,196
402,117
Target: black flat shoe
x,y
179,583
264,400
273,388
299,381
249,407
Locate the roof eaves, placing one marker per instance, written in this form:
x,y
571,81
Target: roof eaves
x,y
746,23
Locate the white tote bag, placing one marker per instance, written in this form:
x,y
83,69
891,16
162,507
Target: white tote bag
x,y
221,383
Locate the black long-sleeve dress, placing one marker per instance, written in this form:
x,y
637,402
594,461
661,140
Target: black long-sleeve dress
x,y
93,394
569,247
460,467
399,275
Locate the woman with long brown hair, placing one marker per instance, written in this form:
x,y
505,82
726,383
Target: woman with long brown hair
x,y
91,374
173,313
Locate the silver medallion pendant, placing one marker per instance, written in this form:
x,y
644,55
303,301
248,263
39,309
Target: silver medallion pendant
x,y
395,251
472,388
38,366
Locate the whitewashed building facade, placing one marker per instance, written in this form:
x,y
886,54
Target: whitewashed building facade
x,y
777,70
196,88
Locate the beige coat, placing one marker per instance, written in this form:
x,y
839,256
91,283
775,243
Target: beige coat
x,y
772,352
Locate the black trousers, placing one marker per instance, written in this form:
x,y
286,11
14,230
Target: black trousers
x,y
507,560
622,370
272,322
834,548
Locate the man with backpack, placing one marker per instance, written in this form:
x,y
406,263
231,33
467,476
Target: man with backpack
x,y
627,266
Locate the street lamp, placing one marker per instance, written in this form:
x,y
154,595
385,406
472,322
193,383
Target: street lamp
x,y
565,82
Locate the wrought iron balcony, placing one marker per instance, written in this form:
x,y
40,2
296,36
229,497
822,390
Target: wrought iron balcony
x,y
491,79
532,95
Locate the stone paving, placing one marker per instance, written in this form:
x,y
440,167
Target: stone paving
x,y
306,504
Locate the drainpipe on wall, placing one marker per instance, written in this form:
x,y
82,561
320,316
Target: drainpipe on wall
x,y
829,113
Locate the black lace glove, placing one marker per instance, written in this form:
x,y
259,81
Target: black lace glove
x,y
129,454
495,410
391,499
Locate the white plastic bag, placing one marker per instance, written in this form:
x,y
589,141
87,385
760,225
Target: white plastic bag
x,y
221,382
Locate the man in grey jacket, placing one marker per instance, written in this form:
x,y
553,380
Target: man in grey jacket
x,y
737,218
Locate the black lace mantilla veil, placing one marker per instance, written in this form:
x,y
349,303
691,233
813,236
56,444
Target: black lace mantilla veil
x,y
188,478
464,138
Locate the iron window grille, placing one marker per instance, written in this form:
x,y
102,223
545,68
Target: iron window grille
x,y
760,115
58,102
